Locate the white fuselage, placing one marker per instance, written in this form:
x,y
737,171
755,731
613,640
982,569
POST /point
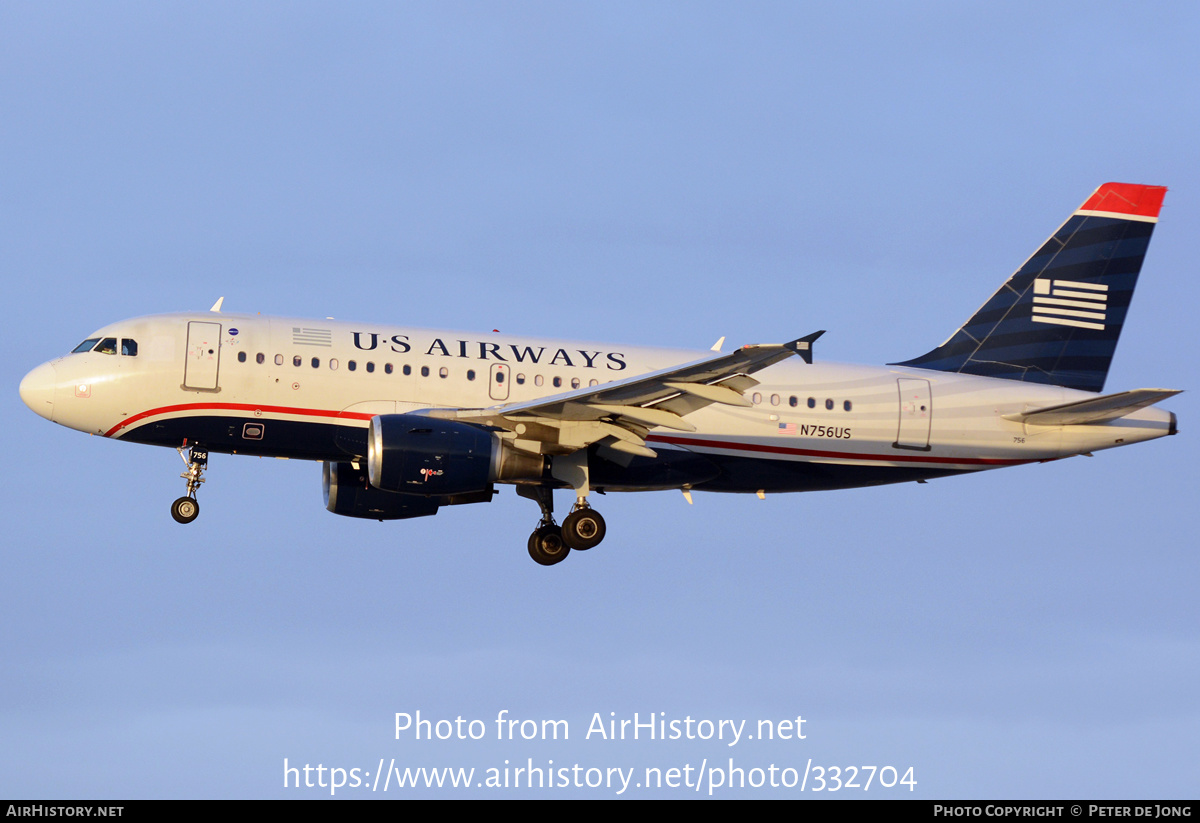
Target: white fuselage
x,y
247,368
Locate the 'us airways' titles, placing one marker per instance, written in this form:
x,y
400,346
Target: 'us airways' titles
x,y
481,350
406,421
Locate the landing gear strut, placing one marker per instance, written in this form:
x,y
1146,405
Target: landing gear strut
x,y
186,509
581,530
584,527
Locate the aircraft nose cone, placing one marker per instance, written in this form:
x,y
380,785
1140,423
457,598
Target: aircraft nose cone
x,y
37,390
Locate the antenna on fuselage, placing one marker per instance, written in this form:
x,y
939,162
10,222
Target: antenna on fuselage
x,y
217,306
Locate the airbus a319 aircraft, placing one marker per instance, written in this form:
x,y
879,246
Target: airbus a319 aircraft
x,y
406,420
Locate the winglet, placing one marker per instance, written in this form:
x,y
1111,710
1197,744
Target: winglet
x,y
803,346
217,306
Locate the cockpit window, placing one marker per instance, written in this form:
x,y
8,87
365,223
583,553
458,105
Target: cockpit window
x,y
86,345
128,347
107,346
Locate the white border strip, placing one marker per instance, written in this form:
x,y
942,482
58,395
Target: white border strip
x,y
1118,215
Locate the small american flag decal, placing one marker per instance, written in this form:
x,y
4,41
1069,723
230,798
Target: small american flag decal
x,y
311,337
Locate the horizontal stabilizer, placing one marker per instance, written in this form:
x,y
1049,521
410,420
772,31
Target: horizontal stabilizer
x,y
1095,409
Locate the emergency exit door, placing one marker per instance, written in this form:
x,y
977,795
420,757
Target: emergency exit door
x,y
498,384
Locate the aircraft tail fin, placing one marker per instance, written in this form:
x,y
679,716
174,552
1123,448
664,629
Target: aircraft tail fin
x,y
1057,319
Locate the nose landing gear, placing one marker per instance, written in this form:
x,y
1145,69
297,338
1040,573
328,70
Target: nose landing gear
x,y
186,509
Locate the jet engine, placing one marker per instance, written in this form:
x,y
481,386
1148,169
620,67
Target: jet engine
x,y
347,493
417,455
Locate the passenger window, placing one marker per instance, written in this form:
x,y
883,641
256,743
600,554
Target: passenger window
x,y
370,366
846,405
387,368
812,402
793,401
424,371
407,369
574,382
279,360
829,404
470,374
774,400
333,364
593,382
107,346
129,348
757,397
316,362
443,372
557,382
520,379
260,358
297,360
538,380
86,345
241,357
351,365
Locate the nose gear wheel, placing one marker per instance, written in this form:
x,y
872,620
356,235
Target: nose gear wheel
x,y
185,510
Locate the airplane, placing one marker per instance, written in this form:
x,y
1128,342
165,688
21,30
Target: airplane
x,y
407,420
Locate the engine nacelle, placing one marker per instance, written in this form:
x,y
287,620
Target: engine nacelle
x,y
347,493
414,454
423,455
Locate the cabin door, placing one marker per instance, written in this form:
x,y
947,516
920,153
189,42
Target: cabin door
x,y
916,414
203,356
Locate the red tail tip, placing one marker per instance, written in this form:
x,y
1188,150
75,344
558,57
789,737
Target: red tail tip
x,y
1127,198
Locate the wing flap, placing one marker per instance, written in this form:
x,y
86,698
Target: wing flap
x,y
625,409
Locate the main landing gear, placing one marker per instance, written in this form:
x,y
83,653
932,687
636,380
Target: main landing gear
x,y
186,509
546,545
584,527
549,544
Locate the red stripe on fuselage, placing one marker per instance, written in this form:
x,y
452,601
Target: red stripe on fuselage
x,y
659,438
237,407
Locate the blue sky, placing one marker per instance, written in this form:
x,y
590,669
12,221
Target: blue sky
x,y
643,173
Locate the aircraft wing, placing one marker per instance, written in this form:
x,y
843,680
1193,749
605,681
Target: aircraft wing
x,y
621,413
